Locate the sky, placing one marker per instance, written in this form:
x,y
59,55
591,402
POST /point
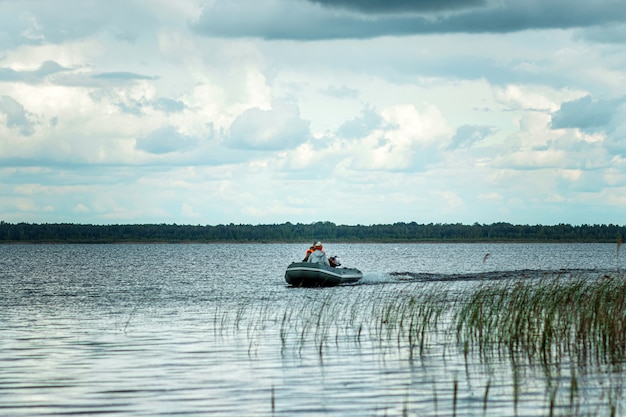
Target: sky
x,y
350,111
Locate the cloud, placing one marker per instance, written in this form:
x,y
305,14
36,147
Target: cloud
x,y
523,97
168,105
151,111
58,21
608,34
123,76
362,125
493,196
16,116
47,68
278,128
467,135
341,92
165,140
323,19
585,113
399,6
408,140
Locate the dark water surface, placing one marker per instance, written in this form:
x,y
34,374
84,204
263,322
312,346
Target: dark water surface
x,y
145,330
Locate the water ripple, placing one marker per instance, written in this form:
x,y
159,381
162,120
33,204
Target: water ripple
x,y
160,330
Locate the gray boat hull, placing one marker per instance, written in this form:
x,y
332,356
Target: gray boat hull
x,y
306,274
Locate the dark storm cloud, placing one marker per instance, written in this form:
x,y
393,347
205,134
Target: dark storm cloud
x,y
316,20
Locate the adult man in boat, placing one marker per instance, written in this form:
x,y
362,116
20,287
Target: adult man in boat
x,y
318,255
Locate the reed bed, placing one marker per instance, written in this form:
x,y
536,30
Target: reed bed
x,y
548,321
565,327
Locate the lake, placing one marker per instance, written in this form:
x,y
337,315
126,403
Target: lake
x,y
167,329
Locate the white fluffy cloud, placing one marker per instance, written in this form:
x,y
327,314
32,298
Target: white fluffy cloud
x,y
212,111
277,128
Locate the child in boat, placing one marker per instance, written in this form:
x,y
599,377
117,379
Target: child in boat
x,y
309,252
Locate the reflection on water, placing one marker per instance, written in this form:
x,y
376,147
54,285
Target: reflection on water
x,y
214,329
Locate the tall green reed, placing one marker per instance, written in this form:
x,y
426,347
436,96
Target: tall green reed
x,y
549,320
558,322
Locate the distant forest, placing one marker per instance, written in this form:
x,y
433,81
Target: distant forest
x,y
324,231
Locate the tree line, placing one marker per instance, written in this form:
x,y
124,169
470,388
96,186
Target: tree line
x,y
298,232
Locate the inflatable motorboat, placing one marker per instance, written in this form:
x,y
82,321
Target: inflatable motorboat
x,y
307,274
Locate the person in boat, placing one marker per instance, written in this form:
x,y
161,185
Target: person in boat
x,y
309,252
318,256
334,261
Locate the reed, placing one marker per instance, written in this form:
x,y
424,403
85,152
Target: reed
x,y
549,321
486,396
455,391
557,323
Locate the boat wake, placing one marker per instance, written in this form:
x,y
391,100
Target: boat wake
x,y
406,276
377,278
